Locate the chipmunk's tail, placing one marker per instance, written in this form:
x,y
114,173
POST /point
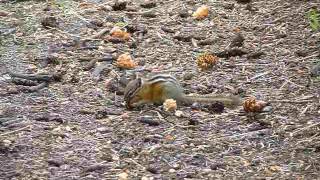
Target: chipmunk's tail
x,y
228,101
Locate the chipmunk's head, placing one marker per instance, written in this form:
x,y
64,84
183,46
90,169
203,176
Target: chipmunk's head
x,y
131,95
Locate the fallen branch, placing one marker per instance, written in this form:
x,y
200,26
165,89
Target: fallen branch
x,y
37,77
24,82
99,34
28,79
259,75
33,88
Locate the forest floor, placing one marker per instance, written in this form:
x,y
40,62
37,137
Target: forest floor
x,y
77,127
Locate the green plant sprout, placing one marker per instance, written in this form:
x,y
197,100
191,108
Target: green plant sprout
x,y
313,16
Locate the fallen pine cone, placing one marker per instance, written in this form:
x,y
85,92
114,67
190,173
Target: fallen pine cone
x,y
252,105
125,61
206,61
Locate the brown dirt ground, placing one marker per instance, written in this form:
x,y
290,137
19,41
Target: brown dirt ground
x,y
54,133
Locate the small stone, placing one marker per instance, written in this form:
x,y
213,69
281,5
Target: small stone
x,y
3,13
178,113
267,109
146,178
172,170
255,55
68,128
168,30
207,170
6,142
105,7
195,106
243,1
115,157
193,122
148,4
102,129
13,90
95,167
54,162
315,70
119,5
208,41
216,107
148,120
240,91
301,53
175,165
132,8
153,169
133,45
188,76
149,14
183,13
237,40
229,6
86,111
216,166
123,176
49,21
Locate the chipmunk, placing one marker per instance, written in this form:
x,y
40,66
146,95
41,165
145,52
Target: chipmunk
x,y
160,87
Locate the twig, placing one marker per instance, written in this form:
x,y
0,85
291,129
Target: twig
x,y
245,134
35,88
259,75
308,127
305,110
294,83
135,162
290,101
11,132
137,13
99,34
107,57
